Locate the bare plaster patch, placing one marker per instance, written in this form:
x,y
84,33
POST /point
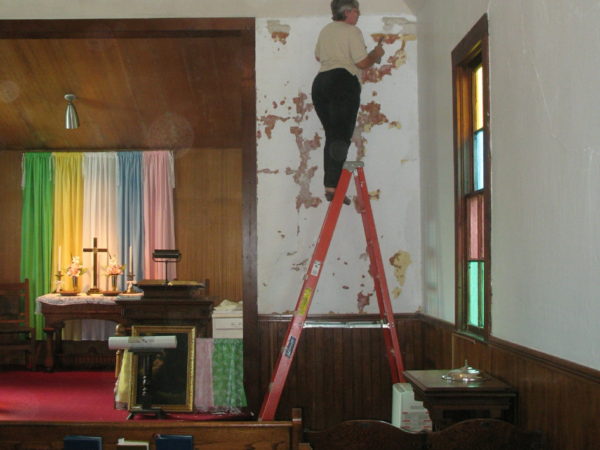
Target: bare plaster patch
x,y
400,262
362,300
398,23
269,121
303,174
279,31
374,74
268,171
369,115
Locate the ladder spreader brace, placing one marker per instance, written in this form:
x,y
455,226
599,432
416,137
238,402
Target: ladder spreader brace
x,y
376,269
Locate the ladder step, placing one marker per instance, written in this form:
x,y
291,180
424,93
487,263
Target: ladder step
x,y
361,324
377,271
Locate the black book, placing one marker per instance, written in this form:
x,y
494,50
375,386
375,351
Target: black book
x,y
174,442
74,442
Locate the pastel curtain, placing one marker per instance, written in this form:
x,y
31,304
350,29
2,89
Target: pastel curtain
x,y
159,227
70,198
99,221
68,218
37,225
131,211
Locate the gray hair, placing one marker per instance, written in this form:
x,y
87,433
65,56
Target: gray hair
x,y
339,8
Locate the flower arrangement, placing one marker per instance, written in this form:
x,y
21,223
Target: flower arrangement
x,y
113,267
75,269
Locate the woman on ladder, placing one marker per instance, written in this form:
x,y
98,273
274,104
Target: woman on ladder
x,y
341,50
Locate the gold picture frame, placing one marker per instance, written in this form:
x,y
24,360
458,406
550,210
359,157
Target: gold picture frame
x,y
173,370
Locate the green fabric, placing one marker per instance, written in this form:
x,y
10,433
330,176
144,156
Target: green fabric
x,y
36,230
228,373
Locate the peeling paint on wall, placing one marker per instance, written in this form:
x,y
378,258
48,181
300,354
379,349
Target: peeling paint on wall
x,y
362,300
269,121
279,31
374,74
289,156
369,115
400,261
374,195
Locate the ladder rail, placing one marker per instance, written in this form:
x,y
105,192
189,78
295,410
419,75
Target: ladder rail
x,y
377,271
311,279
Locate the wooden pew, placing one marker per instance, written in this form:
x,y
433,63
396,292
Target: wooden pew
x,y
473,434
210,435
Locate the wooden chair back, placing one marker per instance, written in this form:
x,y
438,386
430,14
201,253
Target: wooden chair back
x,y
365,435
15,332
484,434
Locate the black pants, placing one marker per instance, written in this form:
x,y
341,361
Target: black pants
x,y
336,96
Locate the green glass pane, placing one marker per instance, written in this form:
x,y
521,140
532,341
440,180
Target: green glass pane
x,y
475,294
478,161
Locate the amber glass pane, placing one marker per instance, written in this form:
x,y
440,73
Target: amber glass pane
x,y
478,98
475,222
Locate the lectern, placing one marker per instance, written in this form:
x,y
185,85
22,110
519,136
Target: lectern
x,y
146,347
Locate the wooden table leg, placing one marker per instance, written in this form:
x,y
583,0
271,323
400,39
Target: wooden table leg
x,y
49,359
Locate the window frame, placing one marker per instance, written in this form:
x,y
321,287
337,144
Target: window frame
x,y
471,51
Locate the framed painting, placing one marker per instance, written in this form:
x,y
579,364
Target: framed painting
x,y
172,369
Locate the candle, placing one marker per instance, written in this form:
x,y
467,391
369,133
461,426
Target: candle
x,y
59,258
130,260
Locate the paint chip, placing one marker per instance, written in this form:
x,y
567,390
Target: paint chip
x,y
362,300
279,31
400,262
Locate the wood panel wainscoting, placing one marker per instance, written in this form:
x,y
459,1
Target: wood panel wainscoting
x,y
556,397
338,373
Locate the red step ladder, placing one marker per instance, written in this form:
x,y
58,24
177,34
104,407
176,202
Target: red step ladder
x,y
292,337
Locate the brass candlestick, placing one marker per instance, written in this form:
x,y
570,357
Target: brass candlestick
x,y
58,276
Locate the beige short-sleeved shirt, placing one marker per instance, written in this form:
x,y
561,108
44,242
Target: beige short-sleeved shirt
x,y
340,45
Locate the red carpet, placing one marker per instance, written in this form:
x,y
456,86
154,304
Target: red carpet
x,y
68,396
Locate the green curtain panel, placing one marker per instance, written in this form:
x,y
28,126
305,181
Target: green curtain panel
x,y
228,373
37,229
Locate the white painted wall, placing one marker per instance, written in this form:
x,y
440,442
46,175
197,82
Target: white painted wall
x,y
291,206
545,168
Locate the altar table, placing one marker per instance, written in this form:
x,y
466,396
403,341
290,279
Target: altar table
x,y
56,309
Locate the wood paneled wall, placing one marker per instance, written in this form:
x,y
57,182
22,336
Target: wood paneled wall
x,y
338,373
556,397
208,217
342,373
10,225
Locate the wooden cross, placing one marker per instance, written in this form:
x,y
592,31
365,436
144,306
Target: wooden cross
x,y
94,289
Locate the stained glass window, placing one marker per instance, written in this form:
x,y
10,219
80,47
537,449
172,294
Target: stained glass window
x,y
470,77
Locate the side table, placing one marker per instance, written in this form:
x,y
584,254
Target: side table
x,y
449,402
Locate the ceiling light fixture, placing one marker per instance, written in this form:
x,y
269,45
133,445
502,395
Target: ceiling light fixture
x,y
71,118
